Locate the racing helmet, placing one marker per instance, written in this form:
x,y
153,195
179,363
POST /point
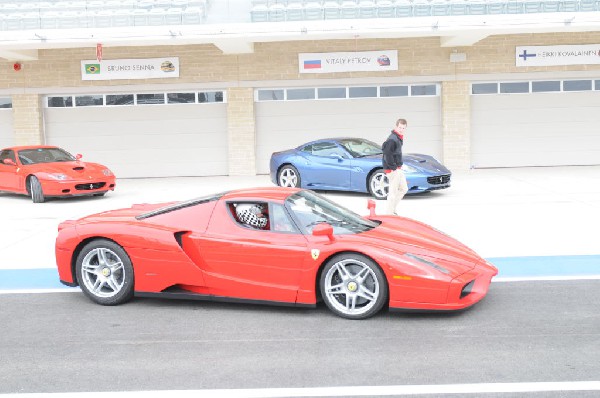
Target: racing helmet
x,y
251,214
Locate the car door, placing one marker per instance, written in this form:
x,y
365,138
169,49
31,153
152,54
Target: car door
x,y
9,180
328,166
252,264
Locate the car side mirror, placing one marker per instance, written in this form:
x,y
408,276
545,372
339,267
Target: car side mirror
x,y
337,156
9,162
323,229
78,156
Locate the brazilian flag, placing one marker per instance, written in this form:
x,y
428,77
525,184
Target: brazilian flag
x,y
92,69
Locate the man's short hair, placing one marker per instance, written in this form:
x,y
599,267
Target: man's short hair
x,y
401,121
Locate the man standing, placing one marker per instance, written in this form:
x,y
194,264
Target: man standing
x,y
392,164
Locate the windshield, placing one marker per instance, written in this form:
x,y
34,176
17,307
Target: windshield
x,y
44,155
310,209
360,148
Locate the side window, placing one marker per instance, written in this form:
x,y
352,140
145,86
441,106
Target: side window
x,y
7,154
254,215
307,149
327,149
280,220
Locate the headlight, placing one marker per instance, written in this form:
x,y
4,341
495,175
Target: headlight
x,y
107,172
408,169
58,176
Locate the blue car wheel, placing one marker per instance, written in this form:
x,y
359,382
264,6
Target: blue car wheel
x,y
288,176
378,184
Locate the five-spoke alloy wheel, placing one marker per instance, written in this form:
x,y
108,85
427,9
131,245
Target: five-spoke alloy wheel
x,y
378,184
288,176
105,273
353,286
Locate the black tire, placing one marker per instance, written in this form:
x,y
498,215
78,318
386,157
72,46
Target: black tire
x,y
105,273
288,176
378,184
35,190
353,286
100,194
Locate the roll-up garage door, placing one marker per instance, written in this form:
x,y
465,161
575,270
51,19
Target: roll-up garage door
x,y
536,129
7,137
145,140
283,125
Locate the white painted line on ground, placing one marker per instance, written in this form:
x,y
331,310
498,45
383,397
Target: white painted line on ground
x,y
546,278
344,391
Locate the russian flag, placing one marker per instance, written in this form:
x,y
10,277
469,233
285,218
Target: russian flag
x,y
312,64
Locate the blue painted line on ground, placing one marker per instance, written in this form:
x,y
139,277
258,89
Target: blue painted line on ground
x,y
35,278
508,267
546,266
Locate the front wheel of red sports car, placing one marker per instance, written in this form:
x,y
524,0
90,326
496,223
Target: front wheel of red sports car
x,y
353,286
105,272
35,190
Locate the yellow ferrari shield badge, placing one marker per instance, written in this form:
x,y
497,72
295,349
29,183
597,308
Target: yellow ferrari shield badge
x,y
315,253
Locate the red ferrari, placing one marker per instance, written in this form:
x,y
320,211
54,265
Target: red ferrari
x,y
284,246
43,171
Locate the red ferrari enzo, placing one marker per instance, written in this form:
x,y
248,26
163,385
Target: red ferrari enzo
x,y
285,246
43,171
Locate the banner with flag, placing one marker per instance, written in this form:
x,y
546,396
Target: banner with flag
x,y
143,68
361,61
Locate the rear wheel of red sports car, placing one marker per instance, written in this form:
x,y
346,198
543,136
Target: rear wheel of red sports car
x,y
105,273
288,176
378,184
353,286
35,190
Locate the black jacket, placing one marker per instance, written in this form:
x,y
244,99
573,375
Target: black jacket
x,y
392,152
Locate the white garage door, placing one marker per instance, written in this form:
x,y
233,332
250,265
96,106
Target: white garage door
x,y
145,140
7,137
283,125
536,129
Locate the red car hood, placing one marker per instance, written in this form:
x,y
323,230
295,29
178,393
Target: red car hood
x,y
72,169
403,235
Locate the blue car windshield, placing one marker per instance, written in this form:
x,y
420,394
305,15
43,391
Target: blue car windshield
x,y
359,147
310,209
44,155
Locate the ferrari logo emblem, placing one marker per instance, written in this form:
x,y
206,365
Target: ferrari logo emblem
x,y
352,286
315,253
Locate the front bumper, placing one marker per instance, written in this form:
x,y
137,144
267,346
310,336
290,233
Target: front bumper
x,y
462,292
423,183
77,187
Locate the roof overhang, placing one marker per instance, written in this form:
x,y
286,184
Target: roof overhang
x,y
239,38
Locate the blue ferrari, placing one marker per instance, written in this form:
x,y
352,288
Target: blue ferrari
x,y
352,164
